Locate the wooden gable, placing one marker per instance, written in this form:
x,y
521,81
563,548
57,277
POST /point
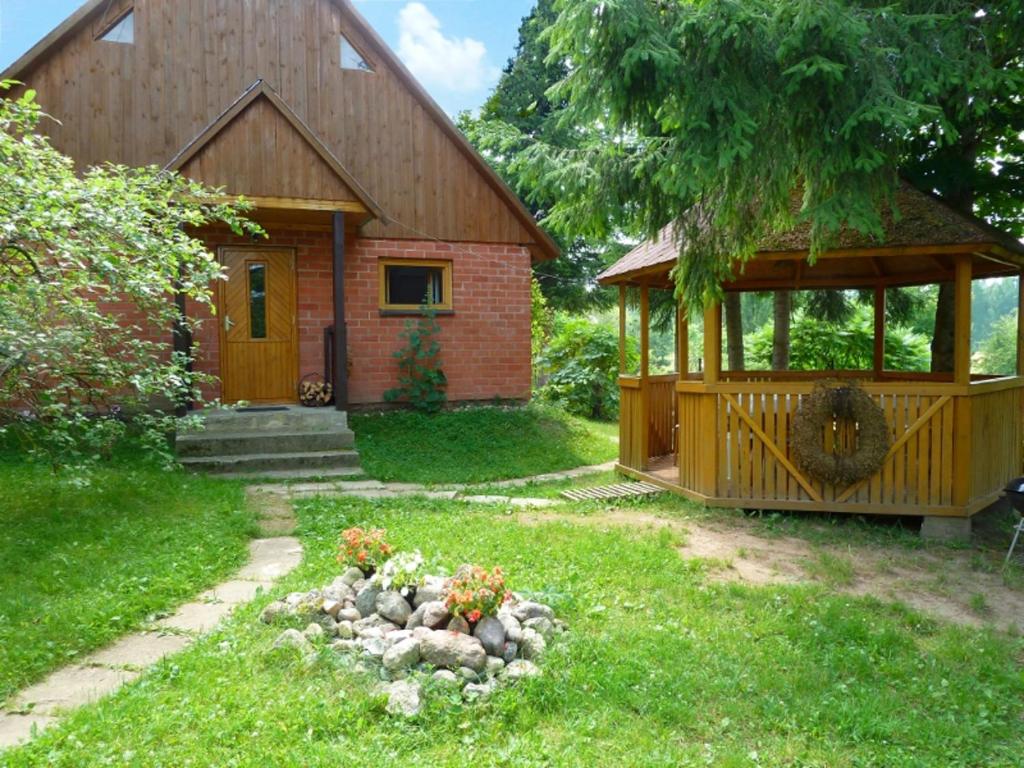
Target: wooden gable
x,y
141,103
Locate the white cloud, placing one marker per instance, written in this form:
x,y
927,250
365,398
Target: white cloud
x,y
447,62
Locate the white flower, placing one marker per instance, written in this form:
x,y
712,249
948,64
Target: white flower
x,y
402,571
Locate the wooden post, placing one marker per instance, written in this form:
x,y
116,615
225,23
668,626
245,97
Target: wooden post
x,y
1020,324
340,329
645,363
962,324
879,357
182,340
622,329
712,342
682,341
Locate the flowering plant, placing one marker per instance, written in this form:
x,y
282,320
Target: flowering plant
x,y
403,572
475,593
366,550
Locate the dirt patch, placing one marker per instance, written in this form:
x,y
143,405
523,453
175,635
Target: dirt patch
x,y
942,584
275,515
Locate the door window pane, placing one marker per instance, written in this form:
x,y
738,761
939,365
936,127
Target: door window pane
x,y
258,301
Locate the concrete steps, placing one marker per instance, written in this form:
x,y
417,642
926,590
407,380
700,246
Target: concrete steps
x,y
288,442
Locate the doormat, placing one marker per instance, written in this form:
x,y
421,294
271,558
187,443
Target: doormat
x,y
262,409
617,491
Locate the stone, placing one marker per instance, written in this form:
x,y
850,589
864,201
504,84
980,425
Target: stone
x,y
532,645
343,629
468,674
445,677
274,611
373,622
519,669
338,591
351,576
314,632
513,629
542,625
402,655
511,651
479,690
331,607
432,615
530,610
292,638
366,600
458,624
347,645
374,646
393,607
398,636
431,590
491,634
329,625
404,698
452,650
494,665
955,530
349,614
420,632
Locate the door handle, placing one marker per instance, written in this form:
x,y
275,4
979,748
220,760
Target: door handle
x,y
228,323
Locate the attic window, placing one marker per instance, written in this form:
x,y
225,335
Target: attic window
x,y
352,58
121,31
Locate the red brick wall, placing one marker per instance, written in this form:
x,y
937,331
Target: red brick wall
x,y
485,343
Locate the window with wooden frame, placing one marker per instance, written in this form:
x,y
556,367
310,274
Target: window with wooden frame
x,y
406,285
120,30
351,58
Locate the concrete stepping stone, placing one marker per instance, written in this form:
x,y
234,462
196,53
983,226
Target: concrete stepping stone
x,y
196,617
270,559
138,650
16,728
234,592
71,687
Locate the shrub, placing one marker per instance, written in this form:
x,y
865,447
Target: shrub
x,y
582,361
998,353
365,550
421,382
475,592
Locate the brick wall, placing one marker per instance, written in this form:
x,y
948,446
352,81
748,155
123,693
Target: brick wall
x,y
485,343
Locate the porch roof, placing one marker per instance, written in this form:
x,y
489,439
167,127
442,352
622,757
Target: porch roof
x,y
927,228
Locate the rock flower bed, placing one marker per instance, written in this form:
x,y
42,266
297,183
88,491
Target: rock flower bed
x,y
466,630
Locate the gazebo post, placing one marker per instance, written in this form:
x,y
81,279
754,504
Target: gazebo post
x,y
1020,324
645,360
712,342
962,324
879,356
622,329
682,341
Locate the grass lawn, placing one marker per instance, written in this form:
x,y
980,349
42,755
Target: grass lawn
x,y
662,667
84,564
477,445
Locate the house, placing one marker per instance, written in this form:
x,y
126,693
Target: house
x,y
726,437
373,201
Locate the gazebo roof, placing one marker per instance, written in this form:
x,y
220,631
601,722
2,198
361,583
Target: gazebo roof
x,y
927,225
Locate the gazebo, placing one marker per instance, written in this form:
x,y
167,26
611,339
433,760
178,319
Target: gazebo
x,y
724,437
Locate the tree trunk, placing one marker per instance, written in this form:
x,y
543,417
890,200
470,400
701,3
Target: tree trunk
x,y
942,339
780,334
734,331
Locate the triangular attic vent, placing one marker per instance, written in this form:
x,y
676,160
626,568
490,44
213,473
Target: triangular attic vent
x,y
123,30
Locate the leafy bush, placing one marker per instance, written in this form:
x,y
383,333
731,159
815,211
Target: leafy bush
x,y
362,549
475,592
72,246
421,382
582,361
819,345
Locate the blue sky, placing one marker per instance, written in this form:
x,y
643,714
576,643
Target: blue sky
x,y
455,47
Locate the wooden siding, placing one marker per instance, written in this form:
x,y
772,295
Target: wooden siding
x,y
261,155
141,104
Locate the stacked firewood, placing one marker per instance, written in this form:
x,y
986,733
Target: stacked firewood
x,y
315,392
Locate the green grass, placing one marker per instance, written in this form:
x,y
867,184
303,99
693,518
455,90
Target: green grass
x,y
478,445
82,564
660,668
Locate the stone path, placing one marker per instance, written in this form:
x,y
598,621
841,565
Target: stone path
x,y
106,670
375,489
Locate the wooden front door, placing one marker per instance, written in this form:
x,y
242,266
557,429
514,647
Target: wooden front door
x,y
258,335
